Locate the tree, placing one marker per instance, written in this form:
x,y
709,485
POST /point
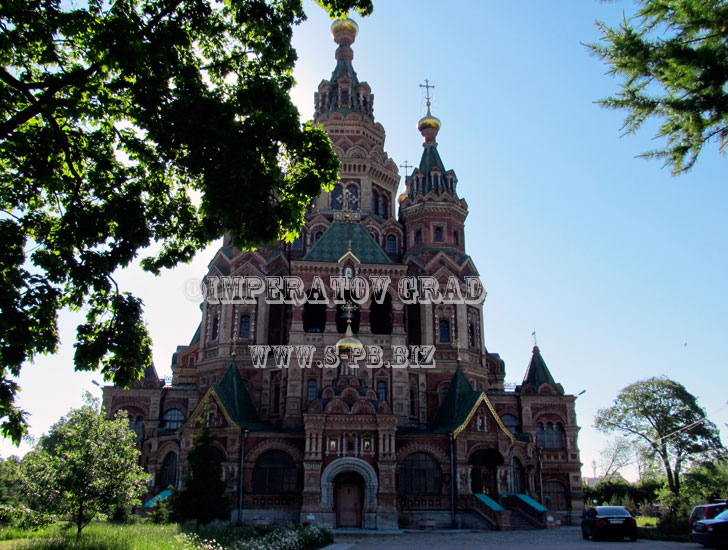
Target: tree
x,y
617,454
113,116
673,55
85,465
203,498
662,414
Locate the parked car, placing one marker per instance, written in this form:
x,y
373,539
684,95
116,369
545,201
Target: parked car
x,y
711,533
706,511
608,521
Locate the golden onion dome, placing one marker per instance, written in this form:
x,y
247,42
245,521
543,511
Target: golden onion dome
x,y
429,122
343,27
349,343
402,197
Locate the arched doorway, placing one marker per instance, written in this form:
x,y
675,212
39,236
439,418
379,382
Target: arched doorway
x,y
349,499
483,476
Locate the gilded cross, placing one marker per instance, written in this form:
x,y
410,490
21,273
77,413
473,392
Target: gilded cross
x,y
349,308
535,342
427,87
406,167
234,341
458,346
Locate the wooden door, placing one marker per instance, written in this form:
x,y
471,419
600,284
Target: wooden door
x,y
348,504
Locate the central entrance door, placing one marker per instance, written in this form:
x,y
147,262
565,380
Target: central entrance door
x,y
483,474
348,499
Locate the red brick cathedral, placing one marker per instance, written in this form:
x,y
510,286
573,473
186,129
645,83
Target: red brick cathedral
x,y
376,448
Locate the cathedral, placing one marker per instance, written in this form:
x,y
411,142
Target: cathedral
x,y
429,436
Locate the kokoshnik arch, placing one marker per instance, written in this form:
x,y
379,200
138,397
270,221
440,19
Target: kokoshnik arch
x,y
370,448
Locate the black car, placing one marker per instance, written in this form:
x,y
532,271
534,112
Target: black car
x,y
712,533
607,522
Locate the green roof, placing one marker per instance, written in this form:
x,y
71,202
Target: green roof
x,y
334,243
234,397
457,405
538,373
430,159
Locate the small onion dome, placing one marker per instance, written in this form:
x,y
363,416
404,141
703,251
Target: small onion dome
x,y
349,343
344,31
429,122
402,197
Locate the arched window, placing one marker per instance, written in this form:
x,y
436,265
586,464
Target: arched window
x,y
353,197
385,207
274,473
413,400
550,436
297,243
337,201
138,428
444,330
382,390
173,419
420,474
471,335
391,244
438,234
418,237
510,422
168,473
311,390
314,315
215,328
317,236
381,317
375,203
456,238
244,330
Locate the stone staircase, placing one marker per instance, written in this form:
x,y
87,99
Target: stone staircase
x,y
520,523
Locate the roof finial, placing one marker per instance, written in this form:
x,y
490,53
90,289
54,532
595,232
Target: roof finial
x,y
535,342
429,125
458,346
234,341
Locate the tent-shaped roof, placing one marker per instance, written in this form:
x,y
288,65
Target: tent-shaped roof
x,y
538,373
460,403
334,244
235,399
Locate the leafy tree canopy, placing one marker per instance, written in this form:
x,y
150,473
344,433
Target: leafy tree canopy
x,y
85,465
113,116
673,57
663,415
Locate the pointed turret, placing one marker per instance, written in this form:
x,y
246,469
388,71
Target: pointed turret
x,y
457,404
234,397
538,374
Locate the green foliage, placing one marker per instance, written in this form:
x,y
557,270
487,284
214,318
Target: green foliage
x,y
203,498
10,482
102,536
623,493
706,482
84,466
673,57
160,512
661,414
114,116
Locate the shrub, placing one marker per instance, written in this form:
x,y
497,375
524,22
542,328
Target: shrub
x,y
160,512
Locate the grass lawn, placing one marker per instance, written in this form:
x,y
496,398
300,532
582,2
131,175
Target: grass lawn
x,y
147,536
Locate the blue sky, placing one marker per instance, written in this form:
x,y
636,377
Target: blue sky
x,y
618,266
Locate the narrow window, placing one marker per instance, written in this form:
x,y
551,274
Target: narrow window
x,y
438,234
382,390
444,330
456,238
418,237
391,244
311,391
318,235
244,326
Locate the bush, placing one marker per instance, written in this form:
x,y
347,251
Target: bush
x,y
673,524
160,512
23,518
